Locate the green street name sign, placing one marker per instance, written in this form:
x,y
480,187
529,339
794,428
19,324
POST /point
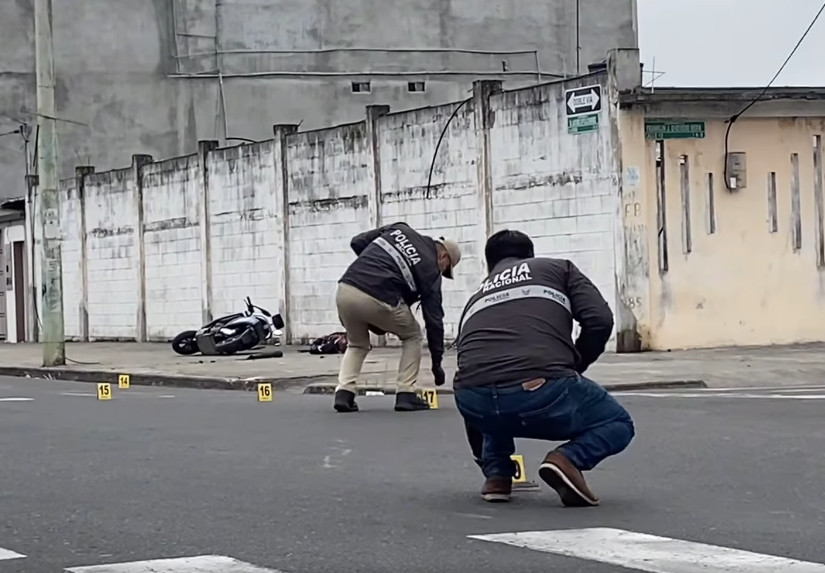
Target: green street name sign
x,y
674,129
583,123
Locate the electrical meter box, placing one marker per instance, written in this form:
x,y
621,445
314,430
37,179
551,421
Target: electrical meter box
x,y
736,171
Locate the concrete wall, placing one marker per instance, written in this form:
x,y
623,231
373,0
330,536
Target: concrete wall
x,y
557,187
407,143
171,243
244,222
71,221
113,264
171,237
124,67
330,184
711,267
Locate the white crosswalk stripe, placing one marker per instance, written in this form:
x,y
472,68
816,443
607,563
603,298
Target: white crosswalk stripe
x,y
6,554
198,564
16,399
650,553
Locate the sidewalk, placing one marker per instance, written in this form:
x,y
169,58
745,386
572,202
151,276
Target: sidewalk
x,y
156,364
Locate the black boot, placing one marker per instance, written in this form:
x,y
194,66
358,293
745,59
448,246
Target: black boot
x,y
409,402
345,401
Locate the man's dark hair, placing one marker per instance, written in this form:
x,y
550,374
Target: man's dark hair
x,y
507,244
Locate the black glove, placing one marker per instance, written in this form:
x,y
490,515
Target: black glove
x,y
438,374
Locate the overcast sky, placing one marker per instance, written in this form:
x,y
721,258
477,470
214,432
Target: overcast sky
x,y
731,42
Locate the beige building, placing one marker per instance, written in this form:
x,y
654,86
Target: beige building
x,y
720,251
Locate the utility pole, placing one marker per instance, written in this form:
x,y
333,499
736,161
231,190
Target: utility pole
x,y
54,339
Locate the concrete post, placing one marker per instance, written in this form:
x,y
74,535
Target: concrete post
x,y
205,227
33,296
482,90
54,339
282,132
373,113
375,199
80,184
138,161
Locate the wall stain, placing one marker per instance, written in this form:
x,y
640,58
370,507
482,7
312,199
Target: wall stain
x,y
520,183
101,233
334,204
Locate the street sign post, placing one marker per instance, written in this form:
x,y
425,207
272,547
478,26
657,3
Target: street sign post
x,y
583,107
674,129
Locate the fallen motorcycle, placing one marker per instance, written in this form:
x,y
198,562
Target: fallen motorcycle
x,y
232,333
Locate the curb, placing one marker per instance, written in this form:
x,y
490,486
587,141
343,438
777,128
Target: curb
x,y
171,380
329,387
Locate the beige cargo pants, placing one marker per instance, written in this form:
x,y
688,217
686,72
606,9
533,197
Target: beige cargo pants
x,y
357,311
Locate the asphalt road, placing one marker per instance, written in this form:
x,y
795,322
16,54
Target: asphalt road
x,y
292,486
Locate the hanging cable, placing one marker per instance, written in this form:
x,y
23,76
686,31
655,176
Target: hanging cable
x,y
733,118
437,145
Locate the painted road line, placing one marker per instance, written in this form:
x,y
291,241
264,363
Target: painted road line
x,y
650,553
199,564
789,388
710,395
16,399
6,554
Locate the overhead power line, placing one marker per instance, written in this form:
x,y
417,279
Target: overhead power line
x,y
733,118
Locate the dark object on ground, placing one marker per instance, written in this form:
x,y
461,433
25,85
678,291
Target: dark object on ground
x,y
262,355
335,343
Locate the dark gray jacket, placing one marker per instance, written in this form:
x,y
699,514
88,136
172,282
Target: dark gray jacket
x,y
397,264
518,325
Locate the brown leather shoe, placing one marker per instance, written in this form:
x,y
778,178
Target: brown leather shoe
x,y
567,480
497,490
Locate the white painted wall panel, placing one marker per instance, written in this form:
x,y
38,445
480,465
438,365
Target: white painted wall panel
x,y
557,187
71,221
330,178
247,256
407,143
111,242
171,234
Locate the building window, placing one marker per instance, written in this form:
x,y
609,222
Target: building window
x,y
361,87
415,87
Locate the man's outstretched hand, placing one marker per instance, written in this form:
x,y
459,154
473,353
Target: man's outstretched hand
x,y
438,374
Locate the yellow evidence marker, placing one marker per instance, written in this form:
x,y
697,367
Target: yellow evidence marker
x,y
521,473
265,392
124,381
431,396
104,391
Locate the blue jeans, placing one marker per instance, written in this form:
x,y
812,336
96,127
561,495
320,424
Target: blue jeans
x,y
572,409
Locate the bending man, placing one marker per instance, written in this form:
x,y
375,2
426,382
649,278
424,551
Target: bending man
x,y
396,266
520,373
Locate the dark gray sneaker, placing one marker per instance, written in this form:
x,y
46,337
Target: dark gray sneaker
x,y
345,401
410,402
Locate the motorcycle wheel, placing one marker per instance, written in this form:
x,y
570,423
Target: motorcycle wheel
x,y
185,343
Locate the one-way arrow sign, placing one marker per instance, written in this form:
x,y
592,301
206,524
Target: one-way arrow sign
x,y
583,100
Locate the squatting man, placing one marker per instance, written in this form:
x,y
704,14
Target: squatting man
x,y
395,267
520,375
